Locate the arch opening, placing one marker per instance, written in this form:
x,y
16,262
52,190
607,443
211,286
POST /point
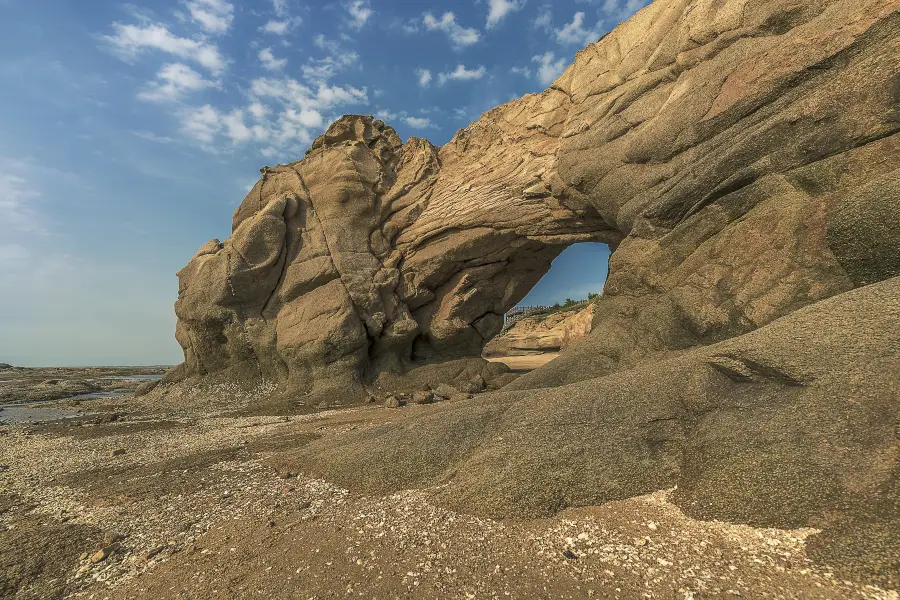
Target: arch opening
x,y
556,312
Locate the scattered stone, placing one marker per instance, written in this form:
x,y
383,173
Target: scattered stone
x,y
393,402
101,554
569,554
445,391
118,452
111,537
424,397
107,418
146,387
474,385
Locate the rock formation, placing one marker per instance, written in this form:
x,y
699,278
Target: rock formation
x,y
742,161
790,425
740,158
542,333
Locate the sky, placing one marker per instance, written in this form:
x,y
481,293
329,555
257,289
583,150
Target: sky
x,y
132,130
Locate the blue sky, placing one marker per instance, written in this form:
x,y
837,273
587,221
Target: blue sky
x,y
131,131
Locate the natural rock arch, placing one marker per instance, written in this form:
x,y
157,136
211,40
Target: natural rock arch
x,y
732,162
372,256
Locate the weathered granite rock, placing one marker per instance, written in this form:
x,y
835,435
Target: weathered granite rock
x,y
542,333
739,157
790,425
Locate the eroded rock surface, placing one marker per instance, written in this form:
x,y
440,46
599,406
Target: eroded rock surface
x,y
740,157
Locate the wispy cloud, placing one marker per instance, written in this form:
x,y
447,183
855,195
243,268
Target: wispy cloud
x,y
544,19
461,73
129,41
460,36
548,68
418,122
269,61
498,9
360,12
424,77
300,114
575,33
276,27
214,16
172,82
17,215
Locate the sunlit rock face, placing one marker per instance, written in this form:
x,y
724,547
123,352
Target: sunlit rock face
x,y
370,255
740,157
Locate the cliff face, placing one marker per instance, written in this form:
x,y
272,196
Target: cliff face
x,y
739,157
542,333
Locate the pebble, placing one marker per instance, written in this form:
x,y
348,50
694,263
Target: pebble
x,y
101,554
118,452
110,538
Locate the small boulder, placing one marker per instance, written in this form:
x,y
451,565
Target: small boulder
x,y
101,554
111,537
146,387
108,418
424,397
474,385
393,402
445,391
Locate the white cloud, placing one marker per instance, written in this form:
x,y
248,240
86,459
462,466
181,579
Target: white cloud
x,y
424,76
201,124
623,12
129,41
385,115
549,69
16,214
461,73
498,9
269,61
237,130
418,122
258,110
214,16
575,33
360,12
152,137
544,19
459,36
323,69
172,82
300,115
280,7
525,71
276,27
